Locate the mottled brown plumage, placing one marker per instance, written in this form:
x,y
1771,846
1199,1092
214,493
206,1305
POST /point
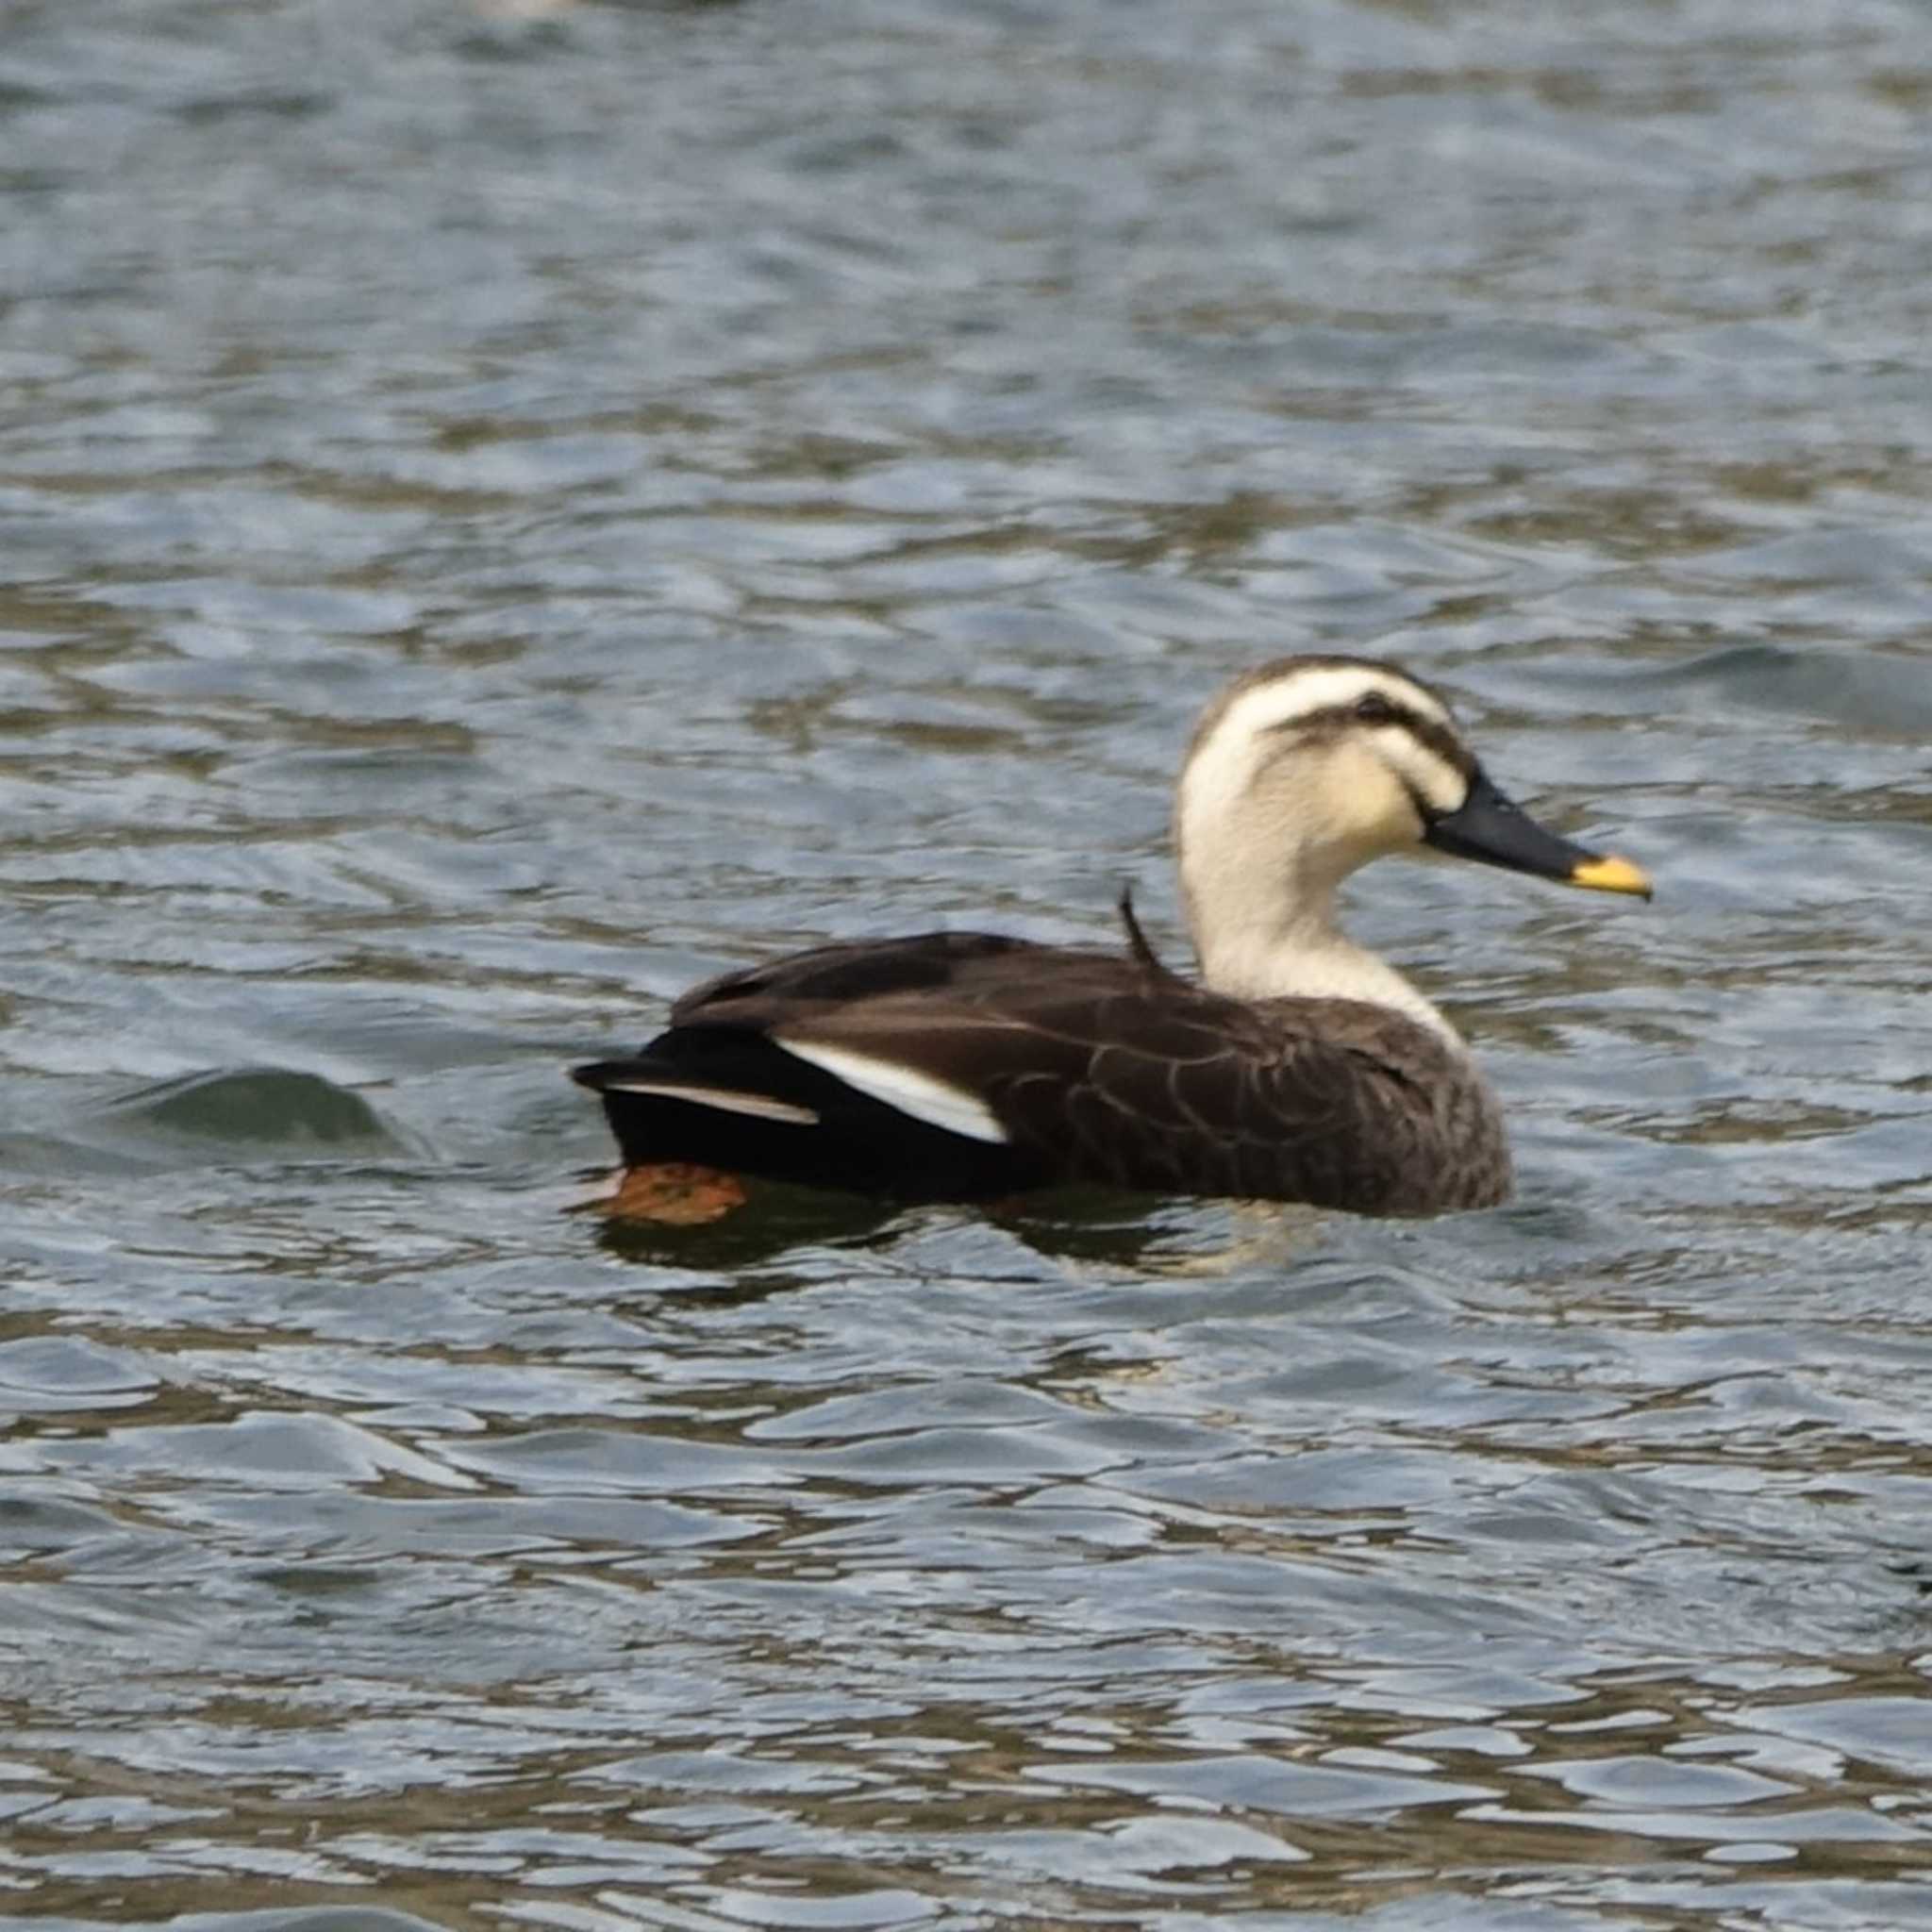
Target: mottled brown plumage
x,y
1103,1070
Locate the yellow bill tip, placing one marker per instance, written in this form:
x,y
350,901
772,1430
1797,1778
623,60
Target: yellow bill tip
x,y
1610,874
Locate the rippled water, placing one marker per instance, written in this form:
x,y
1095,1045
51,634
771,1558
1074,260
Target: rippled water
x,y
508,510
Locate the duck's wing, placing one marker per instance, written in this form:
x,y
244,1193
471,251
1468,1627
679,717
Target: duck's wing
x,y
1100,1072
963,1064
751,1075
843,974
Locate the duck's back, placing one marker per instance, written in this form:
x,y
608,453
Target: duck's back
x,y
960,1065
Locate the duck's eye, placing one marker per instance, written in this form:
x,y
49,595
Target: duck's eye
x,y
1372,707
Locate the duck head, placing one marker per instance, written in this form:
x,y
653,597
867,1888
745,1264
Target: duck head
x,y
1307,769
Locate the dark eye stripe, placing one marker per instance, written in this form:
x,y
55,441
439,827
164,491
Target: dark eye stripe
x,y
1442,741
1332,720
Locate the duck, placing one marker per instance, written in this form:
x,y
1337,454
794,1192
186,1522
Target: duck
x,y
1293,1064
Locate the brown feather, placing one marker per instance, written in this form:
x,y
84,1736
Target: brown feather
x,y
1102,1072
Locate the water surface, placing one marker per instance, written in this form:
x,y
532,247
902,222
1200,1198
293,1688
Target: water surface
x,y
509,509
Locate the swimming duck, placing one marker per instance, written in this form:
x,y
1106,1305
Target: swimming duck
x,y
1299,1066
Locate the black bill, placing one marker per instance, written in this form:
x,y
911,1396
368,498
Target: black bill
x,y
1493,828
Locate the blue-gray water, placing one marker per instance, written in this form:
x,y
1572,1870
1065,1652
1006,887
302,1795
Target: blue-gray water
x,y
505,511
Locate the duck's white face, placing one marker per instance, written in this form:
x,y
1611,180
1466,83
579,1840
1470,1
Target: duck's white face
x,y
1313,766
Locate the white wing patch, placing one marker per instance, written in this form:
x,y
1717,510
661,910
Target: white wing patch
x,y
905,1088
760,1106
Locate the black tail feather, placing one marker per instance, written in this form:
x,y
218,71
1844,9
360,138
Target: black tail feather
x,y
860,1145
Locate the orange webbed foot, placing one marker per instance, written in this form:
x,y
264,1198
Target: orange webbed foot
x,y
673,1193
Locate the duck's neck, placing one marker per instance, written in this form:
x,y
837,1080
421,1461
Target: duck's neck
x,y
1297,951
